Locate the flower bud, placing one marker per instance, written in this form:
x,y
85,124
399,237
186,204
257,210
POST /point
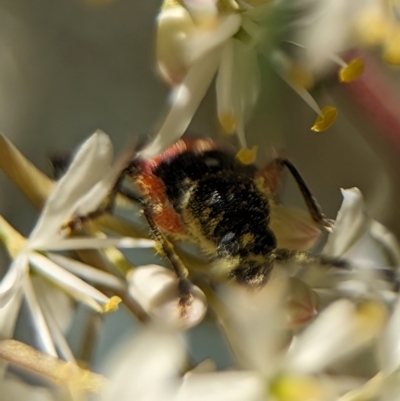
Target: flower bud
x,y
157,290
174,26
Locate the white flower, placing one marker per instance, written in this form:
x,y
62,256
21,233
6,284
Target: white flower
x,y
149,368
81,190
200,65
190,52
371,250
254,324
360,239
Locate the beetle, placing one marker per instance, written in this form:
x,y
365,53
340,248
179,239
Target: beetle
x,y
198,191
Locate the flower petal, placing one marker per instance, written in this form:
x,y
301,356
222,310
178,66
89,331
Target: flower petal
x,y
185,99
72,284
8,317
337,332
87,272
92,200
222,386
60,304
12,281
94,243
58,312
237,86
240,310
204,41
224,85
301,304
351,223
294,228
389,346
89,165
318,33
38,320
156,289
145,368
204,12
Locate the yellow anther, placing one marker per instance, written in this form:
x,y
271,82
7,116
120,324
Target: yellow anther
x,y
296,388
228,123
247,156
325,120
112,304
352,71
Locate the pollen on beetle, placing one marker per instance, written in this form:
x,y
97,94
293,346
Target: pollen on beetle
x,y
351,71
112,304
158,248
325,119
247,156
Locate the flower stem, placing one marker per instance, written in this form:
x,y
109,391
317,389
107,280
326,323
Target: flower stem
x,y
64,373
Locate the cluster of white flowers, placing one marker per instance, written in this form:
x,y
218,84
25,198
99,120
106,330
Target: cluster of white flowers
x,y
311,333
200,40
292,340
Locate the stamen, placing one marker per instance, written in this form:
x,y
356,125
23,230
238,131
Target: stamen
x,y
352,71
326,116
247,156
325,119
112,304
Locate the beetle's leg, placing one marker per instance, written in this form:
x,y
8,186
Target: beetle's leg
x,y
180,269
311,202
304,258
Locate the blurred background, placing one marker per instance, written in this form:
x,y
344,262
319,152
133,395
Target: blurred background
x,y
68,67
